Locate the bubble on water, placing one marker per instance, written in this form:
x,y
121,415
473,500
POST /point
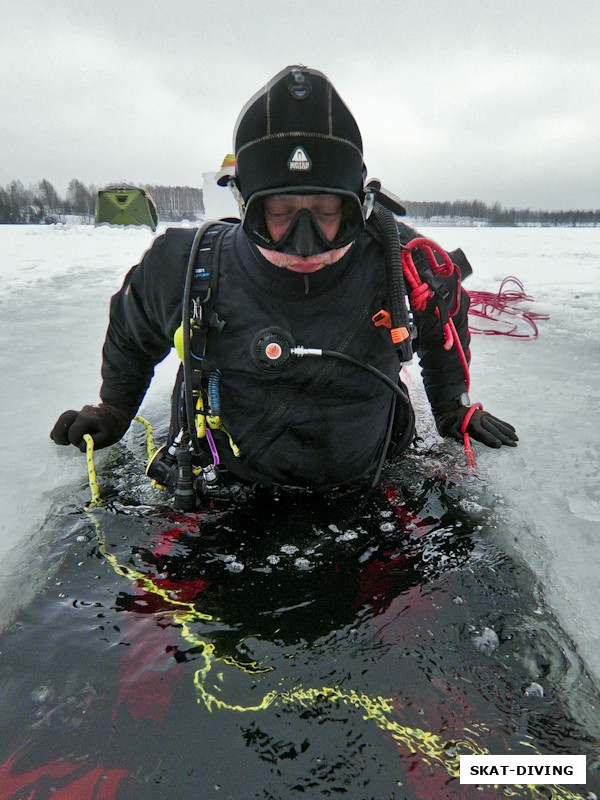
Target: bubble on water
x,y
387,526
471,507
334,528
368,553
386,513
41,694
347,536
234,566
302,563
533,690
273,559
487,641
289,549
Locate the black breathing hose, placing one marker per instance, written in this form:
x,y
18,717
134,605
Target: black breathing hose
x,y
386,223
395,387
398,390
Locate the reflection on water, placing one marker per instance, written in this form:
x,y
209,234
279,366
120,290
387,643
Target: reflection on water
x,y
280,645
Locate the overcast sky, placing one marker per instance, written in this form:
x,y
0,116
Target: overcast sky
x,y
496,100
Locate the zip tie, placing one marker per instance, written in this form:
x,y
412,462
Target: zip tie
x,y
213,447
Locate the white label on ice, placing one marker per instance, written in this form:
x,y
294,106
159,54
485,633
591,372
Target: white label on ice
x,y
526,769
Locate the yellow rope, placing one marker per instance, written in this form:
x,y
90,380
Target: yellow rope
x,y
91,467
431,747
150,443
214,422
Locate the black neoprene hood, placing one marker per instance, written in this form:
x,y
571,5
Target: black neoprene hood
x,y
296,133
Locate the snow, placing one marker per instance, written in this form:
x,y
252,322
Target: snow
x,y
55,286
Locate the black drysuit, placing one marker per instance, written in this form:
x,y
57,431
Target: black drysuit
x,y
319,422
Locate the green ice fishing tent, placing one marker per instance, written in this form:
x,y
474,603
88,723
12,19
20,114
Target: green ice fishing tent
x,y
125,205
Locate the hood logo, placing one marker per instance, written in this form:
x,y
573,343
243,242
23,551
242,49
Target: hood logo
x,y
299,161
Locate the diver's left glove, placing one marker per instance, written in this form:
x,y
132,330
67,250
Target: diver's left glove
x,y
106,423
483,426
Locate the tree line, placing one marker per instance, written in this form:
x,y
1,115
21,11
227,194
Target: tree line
x,y
497,215
41,203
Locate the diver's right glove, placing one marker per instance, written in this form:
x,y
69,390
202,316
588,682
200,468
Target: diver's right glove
x,y
106,423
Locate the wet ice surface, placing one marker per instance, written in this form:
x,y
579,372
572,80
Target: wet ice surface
x,y
549,388
55,285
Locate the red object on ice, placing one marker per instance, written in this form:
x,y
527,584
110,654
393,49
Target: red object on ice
x,y
502,309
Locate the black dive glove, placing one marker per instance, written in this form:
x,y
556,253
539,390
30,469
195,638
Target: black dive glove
x,y
106,423
483,426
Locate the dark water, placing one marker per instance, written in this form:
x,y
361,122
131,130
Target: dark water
x,y
276,646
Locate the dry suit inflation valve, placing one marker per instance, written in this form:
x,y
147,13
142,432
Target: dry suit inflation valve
x,y
271,349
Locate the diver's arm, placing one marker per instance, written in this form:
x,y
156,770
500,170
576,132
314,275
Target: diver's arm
x,y
443,371
132,347
144,314
446,383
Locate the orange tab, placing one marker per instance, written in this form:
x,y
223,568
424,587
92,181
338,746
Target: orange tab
x,y
382,318
399,335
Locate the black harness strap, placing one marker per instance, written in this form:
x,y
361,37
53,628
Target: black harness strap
x,y
201,281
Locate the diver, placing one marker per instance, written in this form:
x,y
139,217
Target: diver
x,y
290,376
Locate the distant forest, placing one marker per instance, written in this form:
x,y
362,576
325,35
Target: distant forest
x,y
495,214
41,204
